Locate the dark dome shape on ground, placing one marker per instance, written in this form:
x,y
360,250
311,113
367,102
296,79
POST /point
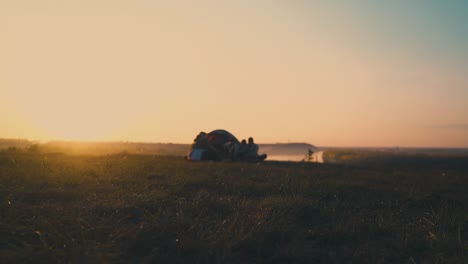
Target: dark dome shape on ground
x,y
219,145
220,137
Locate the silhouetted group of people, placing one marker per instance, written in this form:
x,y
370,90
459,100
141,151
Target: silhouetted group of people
x,y
248,151
221,145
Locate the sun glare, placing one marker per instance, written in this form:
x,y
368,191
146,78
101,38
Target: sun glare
x,y
162,71
73,120
73,128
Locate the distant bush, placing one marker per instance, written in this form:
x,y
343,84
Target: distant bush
x,y
33,148
12,149
309,157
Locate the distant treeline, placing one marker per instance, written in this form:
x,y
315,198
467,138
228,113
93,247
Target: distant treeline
x,y
94,148
456,158
14,143
107,148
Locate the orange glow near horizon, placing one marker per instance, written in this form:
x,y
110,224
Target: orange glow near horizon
x,y
163,72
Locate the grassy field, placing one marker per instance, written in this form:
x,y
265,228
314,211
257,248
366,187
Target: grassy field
x,y
156,209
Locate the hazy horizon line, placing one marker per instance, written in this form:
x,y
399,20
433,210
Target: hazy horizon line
x,y
260,143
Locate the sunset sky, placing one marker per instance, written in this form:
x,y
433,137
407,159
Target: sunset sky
x,y
329,73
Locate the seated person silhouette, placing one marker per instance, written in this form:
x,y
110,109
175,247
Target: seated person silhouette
x,y
252,153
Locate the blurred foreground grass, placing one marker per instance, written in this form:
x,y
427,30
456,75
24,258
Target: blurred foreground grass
x,y
156,209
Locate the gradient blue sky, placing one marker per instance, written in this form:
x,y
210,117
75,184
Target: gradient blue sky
x,y
337,73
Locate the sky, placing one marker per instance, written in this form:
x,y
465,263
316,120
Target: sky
x,y
329,73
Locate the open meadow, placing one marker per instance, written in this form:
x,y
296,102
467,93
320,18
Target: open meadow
x,y
233,131
154,209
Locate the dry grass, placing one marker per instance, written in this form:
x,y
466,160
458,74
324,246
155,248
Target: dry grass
x,y
145,209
